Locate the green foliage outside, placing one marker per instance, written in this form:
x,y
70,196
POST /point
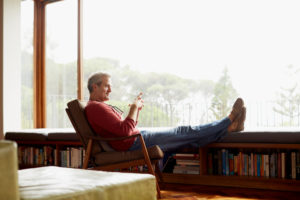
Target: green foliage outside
x,y
152,114
224,95
163,92
288,101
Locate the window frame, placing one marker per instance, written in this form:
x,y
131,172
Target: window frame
x,y
39,56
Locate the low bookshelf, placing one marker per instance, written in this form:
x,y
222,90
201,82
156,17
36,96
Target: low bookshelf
x,y
255,142
54,153
217,177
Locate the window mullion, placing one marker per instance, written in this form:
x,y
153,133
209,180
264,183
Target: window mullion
x,y
39,66
79,58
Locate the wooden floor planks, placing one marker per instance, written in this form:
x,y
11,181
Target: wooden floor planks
x,y
196,192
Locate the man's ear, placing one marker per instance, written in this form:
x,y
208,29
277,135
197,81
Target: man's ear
x,y
94,86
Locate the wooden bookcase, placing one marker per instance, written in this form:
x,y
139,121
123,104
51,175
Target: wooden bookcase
x,y
236,181
57,145
204,178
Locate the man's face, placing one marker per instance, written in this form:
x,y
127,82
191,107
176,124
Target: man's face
x,y
102,91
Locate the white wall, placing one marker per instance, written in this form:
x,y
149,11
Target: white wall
x,y
10,66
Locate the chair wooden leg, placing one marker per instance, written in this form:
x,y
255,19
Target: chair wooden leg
x,y
148,162
159,175
87,154
158,172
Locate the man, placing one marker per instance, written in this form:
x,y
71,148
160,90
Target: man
x,y
107,122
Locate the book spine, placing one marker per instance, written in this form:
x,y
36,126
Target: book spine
x,y
293,164
278,165
220,162
227,162
267,167
283,165
223,162
231,164
258,164
298,165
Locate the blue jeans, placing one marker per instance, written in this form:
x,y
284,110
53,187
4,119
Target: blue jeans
x,y
183,136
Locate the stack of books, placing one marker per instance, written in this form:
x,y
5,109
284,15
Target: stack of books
x,y
186,163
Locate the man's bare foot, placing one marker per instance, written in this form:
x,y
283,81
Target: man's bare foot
x,y
236,109
238,124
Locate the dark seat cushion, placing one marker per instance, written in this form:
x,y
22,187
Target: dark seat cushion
x,y
63,135
114,157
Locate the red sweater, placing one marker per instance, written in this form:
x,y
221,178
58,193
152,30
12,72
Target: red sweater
x,y
106,122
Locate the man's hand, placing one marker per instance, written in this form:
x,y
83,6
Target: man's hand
x,y
135,107
138,102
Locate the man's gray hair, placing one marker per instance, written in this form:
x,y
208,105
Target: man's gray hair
x,y
96,78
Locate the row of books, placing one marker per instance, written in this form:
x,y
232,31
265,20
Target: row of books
x,y
186,163
46,155
138,169
36,156
72,157
274,164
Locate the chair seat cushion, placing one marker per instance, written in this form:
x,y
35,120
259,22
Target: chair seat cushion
x,y
114,157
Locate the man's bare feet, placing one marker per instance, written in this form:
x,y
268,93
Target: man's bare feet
x,y
236,109
238,124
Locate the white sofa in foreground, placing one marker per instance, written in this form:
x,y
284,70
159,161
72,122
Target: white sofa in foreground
x,y
58,183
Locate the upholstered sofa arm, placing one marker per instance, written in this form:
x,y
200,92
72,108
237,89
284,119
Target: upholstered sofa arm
x,y
9,188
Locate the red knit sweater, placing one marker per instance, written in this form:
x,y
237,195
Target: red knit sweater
x,y
106,122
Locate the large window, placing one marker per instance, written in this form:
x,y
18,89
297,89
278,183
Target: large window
x,y
27,64
193,58
61,60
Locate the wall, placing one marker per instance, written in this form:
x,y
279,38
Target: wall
x,y
10,66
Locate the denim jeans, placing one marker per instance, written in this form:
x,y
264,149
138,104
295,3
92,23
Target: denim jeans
x,y
184,136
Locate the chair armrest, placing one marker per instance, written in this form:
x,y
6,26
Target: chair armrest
x,y
112,139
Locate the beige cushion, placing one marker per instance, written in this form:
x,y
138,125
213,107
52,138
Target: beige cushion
x,y
58,183
106,158
8,170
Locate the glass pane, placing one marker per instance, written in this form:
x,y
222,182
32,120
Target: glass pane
x,y
27,63
203,55
61,60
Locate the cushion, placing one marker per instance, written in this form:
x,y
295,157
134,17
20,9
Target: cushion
x,y
266,135
80,123
106,158
49,183
27,134
63,134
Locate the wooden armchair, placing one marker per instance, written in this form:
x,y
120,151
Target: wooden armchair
x,y
100,156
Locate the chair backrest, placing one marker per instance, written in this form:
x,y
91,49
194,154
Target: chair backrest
x,y
81,125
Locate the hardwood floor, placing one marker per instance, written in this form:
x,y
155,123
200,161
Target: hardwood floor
x,y
195,192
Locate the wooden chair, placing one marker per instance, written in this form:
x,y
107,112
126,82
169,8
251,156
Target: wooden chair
x,y
100,156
